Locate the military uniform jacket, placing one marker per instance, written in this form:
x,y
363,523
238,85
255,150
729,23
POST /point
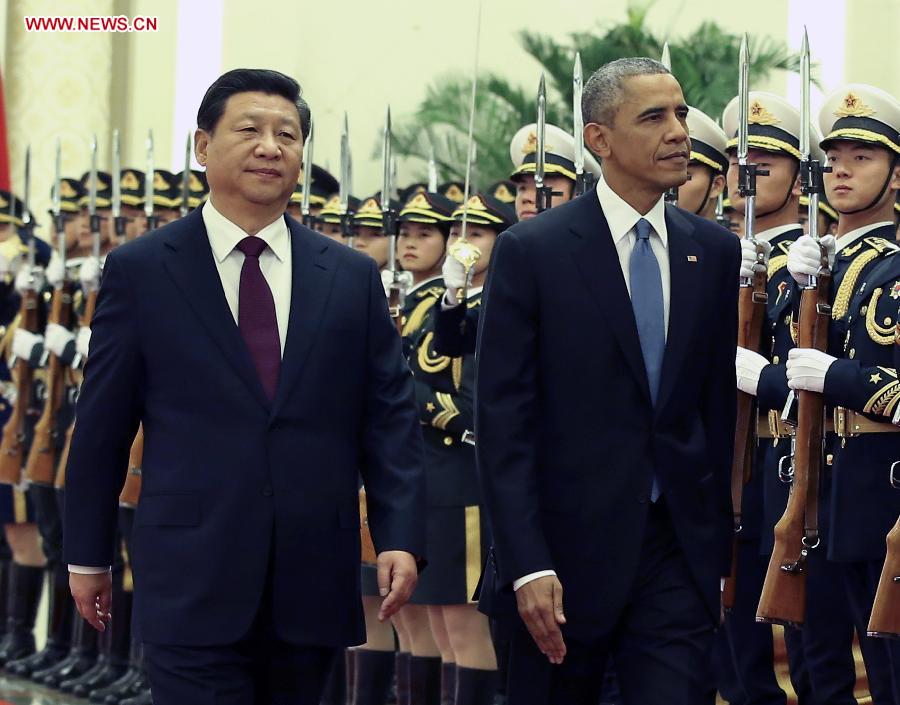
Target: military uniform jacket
x,y
864,379
419,305
444,392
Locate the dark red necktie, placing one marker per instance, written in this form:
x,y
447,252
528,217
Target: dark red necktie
x,y
256,316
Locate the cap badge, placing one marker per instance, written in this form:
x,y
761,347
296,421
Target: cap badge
x,y
853,106
454,193
130,181
761,115
159,182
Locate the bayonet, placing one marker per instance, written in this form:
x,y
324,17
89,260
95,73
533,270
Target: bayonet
x,y
389,224
584,181
92,200
27,223
186,179
811,170
462,250
543,194
119,223
671,195
59,220
345,186
432,172
148,184
307,177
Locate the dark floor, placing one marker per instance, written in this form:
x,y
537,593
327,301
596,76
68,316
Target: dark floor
x,y
19,692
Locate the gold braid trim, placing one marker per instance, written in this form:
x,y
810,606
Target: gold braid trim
x,y
776,264
877,332
449,412
6,341
417,317
457,372
848,285
883,399
428,363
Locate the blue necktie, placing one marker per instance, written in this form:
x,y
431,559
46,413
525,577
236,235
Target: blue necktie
x,y
647,302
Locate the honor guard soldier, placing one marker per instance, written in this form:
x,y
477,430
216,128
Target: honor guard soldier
x,y
559,167
707,167
323,187
820,655
26,571
132,188
368,222
328,221
424,227
861,125
198,189
166,197
457,533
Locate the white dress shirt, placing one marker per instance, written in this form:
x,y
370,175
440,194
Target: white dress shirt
x,y
622,218
275,263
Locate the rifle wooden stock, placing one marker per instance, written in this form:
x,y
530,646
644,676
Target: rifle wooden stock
x,y
885,618
783,599
87,316
131,491
395,307
751,316
12,447
41,466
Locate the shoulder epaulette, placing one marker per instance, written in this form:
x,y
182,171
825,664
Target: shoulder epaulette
x,y
880,244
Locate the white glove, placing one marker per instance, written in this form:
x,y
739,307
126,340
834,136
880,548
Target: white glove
x,y
804,258
806,369
89,274
749,366
83,341
387,278
24,343
455,278
4,266
30,279
56,272
748,256
56,338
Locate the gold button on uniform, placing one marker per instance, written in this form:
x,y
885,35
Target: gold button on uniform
x,y
448,441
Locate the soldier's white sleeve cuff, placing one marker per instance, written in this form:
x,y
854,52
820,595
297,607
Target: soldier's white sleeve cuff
x,y
449,301
87,569
524,580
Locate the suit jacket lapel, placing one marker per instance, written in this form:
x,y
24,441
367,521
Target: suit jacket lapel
x,y
685,268
313,270
191,265
598,261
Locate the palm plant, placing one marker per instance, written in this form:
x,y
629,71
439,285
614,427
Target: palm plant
x,y
705,63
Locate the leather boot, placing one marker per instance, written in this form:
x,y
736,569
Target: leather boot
x,y
113,660
24,597
59,628
424,680
374,676
129,685
448,683
81,658
401,672
475,686
144,698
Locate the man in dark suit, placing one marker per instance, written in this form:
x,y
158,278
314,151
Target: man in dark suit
x,y
262,361
605,414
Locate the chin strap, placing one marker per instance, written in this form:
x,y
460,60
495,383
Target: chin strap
x,y
884,188
702,207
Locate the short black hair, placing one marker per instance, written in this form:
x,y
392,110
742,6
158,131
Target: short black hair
x,y
246,81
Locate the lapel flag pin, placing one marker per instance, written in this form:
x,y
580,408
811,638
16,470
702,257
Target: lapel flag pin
x,y
692,258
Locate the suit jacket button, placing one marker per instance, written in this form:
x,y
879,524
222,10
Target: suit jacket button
x,y
267,491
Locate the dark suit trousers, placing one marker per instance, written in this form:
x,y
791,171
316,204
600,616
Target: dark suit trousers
x,y
259,669
660,645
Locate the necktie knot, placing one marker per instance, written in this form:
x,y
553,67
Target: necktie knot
x,y
643,229
252,246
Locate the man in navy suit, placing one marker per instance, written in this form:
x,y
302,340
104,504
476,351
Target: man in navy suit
x,y
262,361
605,415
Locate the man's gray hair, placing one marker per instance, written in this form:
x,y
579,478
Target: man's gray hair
x,y
603,91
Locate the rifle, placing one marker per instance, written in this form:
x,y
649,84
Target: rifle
x,y
308,219
671,195
783,599
120,222
345,187
752,300
41,465
131,490
152,220
543,194
12,446
390,227
186,180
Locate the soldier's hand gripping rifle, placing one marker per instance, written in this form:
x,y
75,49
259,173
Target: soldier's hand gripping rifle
x,y
885,618
12,446
783,599
584,180
752,300
41,465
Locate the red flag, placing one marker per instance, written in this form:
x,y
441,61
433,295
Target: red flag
x,y
4,145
